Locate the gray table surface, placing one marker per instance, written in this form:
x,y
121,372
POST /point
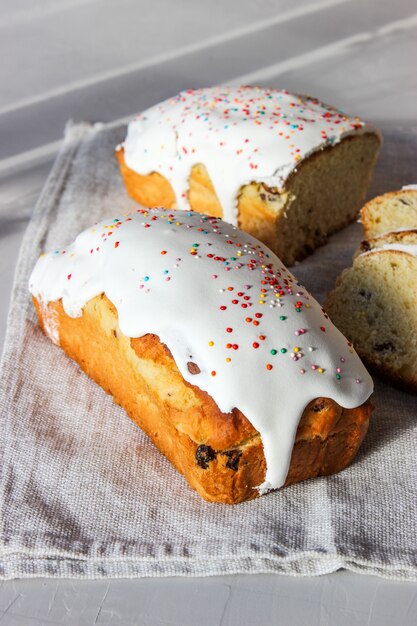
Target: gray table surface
x,y
102,60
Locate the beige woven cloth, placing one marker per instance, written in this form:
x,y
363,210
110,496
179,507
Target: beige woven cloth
x,y
85,494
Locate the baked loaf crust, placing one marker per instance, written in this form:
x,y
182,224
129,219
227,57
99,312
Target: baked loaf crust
x,y
374,304
211,345
396,238
320,185
221,455
392,211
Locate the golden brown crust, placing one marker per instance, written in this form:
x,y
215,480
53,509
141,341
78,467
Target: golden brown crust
x,y
141,188
402,237
221,455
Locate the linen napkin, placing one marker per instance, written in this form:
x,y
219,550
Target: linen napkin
x,y
85,494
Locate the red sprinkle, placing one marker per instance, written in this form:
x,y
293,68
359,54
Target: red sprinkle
x,y
255,344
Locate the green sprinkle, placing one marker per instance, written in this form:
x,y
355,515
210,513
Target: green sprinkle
x,y
283,350
282,317
338,376
273,351
298,310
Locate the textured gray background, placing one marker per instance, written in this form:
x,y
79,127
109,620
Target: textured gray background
x,y
101,60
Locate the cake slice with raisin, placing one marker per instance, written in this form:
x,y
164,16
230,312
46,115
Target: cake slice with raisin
x,y
396,210
374,304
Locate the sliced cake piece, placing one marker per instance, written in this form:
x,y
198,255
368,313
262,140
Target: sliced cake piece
x,y
375,305
392,211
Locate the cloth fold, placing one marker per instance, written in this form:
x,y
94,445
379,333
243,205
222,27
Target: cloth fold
x,y
84,493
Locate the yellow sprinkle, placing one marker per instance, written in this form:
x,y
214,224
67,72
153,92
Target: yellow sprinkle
x,y
320,370
308,306
296,349
211,343
261,302
228,359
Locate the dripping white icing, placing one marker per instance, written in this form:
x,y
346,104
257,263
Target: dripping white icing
x,y
218,297
240,134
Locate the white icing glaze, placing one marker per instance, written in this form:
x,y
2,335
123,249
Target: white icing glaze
x,y
413,187
409,248
219,298
405,229
240,134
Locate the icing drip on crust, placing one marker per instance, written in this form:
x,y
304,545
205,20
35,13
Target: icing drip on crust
x,y
220,299
408,248
241,135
